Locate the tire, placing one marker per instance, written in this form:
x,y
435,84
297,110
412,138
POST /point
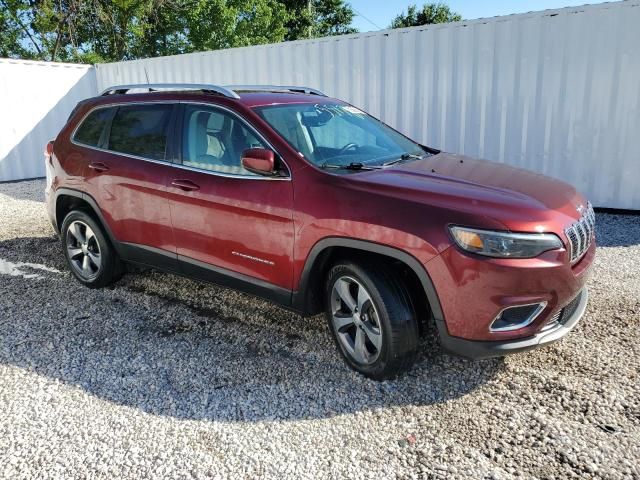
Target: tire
x,y
90,256
386,317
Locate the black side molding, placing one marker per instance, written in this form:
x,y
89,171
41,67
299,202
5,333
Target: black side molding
x,y
197,270
149,256
221,276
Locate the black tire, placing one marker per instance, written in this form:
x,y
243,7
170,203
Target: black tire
x,y
110,267
396,319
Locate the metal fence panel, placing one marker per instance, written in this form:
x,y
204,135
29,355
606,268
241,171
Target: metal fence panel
x,y
36,99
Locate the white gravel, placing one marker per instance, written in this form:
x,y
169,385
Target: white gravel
x,y
162,377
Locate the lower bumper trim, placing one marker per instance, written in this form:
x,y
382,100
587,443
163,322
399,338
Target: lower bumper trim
x,y
477,349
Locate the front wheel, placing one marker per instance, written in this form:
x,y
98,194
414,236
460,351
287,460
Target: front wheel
x,y
372,320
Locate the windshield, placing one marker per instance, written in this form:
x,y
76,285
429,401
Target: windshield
x,y
338,135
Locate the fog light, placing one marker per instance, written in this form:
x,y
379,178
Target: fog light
x,y
513,318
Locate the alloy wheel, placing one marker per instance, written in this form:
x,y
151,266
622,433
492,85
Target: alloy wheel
x,y
83,250
356,320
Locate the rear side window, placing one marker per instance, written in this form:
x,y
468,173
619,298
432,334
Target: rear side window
x,y
91,129
140,130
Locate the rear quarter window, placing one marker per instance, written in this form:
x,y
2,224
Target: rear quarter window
x,y
90,130
140,130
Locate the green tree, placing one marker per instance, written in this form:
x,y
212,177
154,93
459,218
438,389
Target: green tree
x,y
164,30
93,31
429,14
318,18
111,30
38,29
333,17
72,30
215,24
10,34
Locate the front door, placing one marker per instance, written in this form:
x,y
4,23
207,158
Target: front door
x,y
231,226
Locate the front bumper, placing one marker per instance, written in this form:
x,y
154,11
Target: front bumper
x,y
477,349
473,290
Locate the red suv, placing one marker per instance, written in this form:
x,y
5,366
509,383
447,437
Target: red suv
x,y
305,200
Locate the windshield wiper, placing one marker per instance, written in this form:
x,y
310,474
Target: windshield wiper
x,y
404,157
350,166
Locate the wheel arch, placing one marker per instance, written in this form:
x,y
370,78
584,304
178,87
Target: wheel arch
x,y
67,199
307,299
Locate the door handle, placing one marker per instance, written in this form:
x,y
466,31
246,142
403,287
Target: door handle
x,y
98,167
186,185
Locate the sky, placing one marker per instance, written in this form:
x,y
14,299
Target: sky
x,y
377,14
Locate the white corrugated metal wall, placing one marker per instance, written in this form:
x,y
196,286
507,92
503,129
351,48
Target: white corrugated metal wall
x,y
36,99
554,91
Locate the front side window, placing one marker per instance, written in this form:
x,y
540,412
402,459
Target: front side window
x,y
214,140
140,130
90,131
338,134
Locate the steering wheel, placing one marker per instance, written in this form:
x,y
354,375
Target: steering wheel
x,y
347,147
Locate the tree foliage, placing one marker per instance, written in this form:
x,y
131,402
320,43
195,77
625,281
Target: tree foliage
x,y
318,18
333,17
429,13
214,24
110,30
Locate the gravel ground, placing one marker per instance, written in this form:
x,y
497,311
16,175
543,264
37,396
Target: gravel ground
x,y
162,377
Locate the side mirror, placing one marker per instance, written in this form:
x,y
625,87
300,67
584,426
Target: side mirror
x,y
259,160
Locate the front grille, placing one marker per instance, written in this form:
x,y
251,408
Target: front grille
x,y
581,233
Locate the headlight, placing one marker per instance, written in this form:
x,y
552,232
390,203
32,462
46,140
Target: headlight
x,y
504,244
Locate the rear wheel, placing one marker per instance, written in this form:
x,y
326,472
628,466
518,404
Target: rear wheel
x,y
90,255
372,320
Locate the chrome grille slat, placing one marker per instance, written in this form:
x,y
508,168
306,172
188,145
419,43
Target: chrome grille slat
x,y
554,318
581,233
592,219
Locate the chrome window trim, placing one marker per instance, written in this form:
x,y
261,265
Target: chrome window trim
x,y
180,165
528,321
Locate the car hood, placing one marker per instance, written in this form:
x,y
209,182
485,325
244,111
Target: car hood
x,y
519,199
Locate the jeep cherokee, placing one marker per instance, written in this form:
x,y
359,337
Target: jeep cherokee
x,y
305,200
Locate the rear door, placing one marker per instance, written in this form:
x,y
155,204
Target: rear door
x,y
231,226
127,176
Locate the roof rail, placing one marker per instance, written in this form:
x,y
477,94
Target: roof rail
x,y
276,88
227,92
